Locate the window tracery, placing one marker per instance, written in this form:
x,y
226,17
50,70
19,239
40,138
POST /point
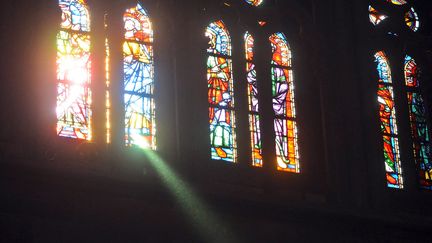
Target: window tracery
x,y
411,17
254,2
396,2
375,17
412,20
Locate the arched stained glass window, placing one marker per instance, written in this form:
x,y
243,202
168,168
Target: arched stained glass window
x,y
74,114
140,122
419,127
375,17
221,93
412,20
254,117
254,2
389,131
285,124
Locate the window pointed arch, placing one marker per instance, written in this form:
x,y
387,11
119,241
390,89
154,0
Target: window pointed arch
x,y
419,125
138,68
74,113
221,93
412,19
389,130
285,120
254,116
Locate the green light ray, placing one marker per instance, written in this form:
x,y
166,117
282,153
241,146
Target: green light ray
x,y
200,216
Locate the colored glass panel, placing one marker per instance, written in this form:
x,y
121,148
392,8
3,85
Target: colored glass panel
x,y
138,66
375,17
262,23
221,94
419,127
387,111
254,2
285,125
254,117
412,20
411,73
249,46
286,145
283,92
75,15
397,2
137,25
281,51
220,42
73,71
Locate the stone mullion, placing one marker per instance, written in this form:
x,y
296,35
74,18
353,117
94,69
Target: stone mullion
x,y
97,71
114,33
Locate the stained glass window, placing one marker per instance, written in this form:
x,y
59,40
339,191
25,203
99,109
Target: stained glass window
x,y
397,2
254,117
387,111
419,127
375,17
412,20
140,122
73,109
285,123
254,2
221,93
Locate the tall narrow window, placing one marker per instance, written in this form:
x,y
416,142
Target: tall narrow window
x,y
285,125
221,93
107,87
389,130
73,71
419,127
254,117
140,122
